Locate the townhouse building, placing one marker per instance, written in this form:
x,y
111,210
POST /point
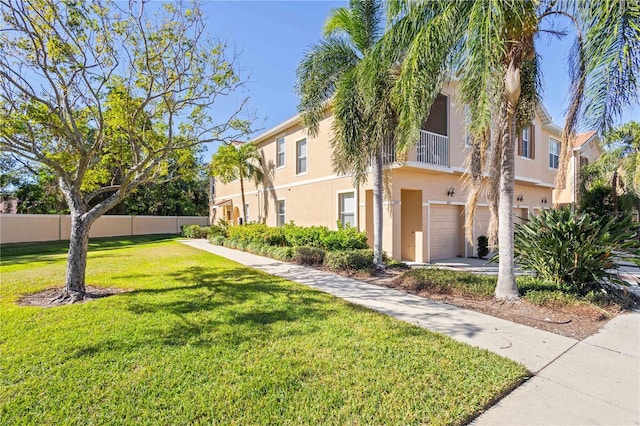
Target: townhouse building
x,y
423,219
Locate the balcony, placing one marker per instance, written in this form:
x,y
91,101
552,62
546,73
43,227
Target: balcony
x,y
432,148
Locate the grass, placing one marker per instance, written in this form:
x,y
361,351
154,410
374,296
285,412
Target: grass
x,y
535,291
201,340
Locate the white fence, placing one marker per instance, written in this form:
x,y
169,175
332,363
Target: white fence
x,y
23,228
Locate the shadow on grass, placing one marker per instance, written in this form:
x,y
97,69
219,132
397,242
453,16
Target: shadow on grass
x,y
222,307
17,253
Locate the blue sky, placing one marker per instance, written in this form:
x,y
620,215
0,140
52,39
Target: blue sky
x,y
271,37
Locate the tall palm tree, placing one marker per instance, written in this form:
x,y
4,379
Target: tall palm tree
x,y
237,160
330,76
488,44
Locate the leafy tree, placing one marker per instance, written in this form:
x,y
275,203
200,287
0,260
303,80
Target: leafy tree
x,y
612,183
104,95
41,195
238,160
336,73
489,46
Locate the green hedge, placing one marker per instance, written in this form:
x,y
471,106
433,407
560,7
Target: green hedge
x,y
349,260
308,255
290,235
195,231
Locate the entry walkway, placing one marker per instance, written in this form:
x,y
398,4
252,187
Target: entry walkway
x,y
596,381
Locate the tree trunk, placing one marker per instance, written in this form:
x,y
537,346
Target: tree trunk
x,y
244,204
506,288
377,209
74,289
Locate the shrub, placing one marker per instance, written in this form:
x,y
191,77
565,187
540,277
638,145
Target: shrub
x,y
577,252
308,255
310,236
195,231
349,259
281,253
483,246
444,281
217,240
257,233
345,238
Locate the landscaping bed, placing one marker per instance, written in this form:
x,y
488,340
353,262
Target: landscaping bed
x,y
541,306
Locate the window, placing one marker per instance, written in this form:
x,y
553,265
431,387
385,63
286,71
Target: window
x,y
347,207
301,156
554,153
584,161
281,213
280,152
525,143
246,213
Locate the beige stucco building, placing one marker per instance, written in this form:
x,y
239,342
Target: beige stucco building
x,y
424,217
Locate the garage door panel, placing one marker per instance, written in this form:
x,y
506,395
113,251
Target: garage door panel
x,y
444,232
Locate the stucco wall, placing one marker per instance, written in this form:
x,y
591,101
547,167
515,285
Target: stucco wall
x,y
20,228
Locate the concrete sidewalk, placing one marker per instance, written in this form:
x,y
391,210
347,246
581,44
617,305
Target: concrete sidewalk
x,y
595,381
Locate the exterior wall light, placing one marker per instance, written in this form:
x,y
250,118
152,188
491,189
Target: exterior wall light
x,y
544,200
520,198
451,192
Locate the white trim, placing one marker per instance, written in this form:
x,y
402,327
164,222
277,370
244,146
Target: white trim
x,y
447,203
291,185
296,119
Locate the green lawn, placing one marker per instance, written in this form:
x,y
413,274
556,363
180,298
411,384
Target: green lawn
x,y
202,340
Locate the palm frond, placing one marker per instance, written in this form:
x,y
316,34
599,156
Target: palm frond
x,y
318,75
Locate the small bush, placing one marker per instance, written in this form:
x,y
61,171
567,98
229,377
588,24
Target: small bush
x,y
284,254
444,281
345,238
483,246
576,251
217,240
310,236
258,233
308,255
217,230
349,259
195,231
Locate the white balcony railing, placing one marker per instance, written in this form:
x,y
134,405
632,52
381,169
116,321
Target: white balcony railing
x,y
433,148
389,152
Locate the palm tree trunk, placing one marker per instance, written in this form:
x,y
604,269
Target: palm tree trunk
x,y
506,288
377,209
244,204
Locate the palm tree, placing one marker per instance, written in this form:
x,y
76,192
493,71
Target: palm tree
x,y
237,160
489,46
617,171
331,75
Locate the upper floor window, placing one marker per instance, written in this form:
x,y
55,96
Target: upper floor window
x,y
347,206
246,213
554,153
281,213
301,157
526,145
280,152
584,161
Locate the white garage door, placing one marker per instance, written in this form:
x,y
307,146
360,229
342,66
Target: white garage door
x,y
445,232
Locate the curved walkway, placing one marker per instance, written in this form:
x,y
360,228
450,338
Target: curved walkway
x,y
594,381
